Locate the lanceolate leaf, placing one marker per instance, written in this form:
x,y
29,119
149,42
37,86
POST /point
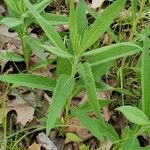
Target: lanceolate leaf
x,y
39,7
72,19
134,115
35,45
98,128
146,77
131,144
49,31
81,17
11,22
54,19
101,24
10,56
29,80
58,52
61,94
112,52
88,123
86,74
42,5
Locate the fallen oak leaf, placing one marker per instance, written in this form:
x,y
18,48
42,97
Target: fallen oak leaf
x,y
35,146
24,111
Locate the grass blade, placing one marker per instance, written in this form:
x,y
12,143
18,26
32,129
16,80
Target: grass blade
x,y
61,93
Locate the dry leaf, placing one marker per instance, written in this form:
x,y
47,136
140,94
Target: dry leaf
x,y
35,146
24,111
97,4
81,132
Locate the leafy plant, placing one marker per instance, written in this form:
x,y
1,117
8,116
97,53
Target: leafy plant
x,y
72,59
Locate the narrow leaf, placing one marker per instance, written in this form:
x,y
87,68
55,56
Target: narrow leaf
x,y
10,56
81,17
11,22
112,52
58,52
72,18
54,19
101,24
86,74
131,144
89,123
48,29
61,94
35,45
29,80
145,79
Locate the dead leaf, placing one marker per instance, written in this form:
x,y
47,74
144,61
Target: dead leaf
x,y
24,111
35,146
80,131
97,4
106,112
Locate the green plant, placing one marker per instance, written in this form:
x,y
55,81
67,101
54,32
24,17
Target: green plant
x,y
72,59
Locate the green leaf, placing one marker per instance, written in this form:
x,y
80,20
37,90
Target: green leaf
x,y
42,5
124,91
131,144
101,24
72,19
86,107
61,94
35,45
99,129
11,22
100,70
41,64
54,19
134,115
86,74
74,36
48,29
39,7
58,52
10,56
112,52
145,78
81,17
89,123
73,137
63,67
29,80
